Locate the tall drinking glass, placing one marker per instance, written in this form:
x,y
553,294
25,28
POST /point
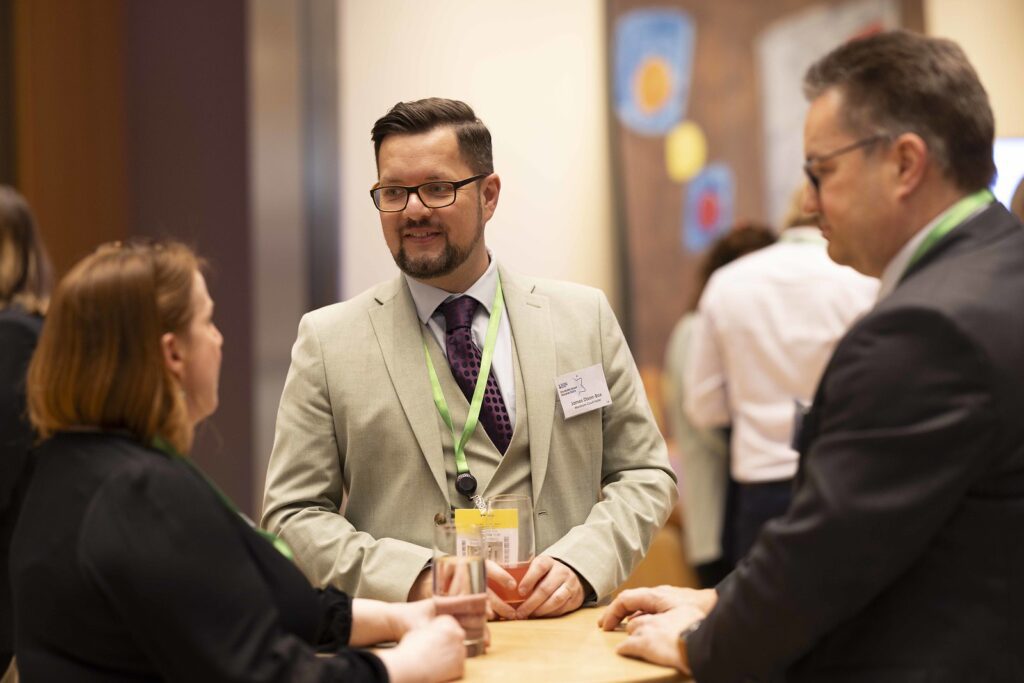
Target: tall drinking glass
x,y
460,580
508,539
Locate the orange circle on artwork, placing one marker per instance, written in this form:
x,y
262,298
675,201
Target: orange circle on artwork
x,y
652,84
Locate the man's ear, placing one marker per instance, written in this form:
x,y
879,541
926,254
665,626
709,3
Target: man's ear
x,y
912,158
489,194
171,350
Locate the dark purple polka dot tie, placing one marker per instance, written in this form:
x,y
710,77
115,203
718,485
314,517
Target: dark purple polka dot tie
x,y
464,359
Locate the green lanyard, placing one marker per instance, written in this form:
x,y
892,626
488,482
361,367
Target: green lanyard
x,y
956,215
161,444
465,483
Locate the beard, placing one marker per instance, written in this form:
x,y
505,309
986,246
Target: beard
x,y
450,258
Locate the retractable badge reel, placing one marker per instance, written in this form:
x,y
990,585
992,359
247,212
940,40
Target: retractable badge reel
x,y
465,484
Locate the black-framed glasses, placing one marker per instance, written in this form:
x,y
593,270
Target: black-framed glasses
x,y
812,162
434,195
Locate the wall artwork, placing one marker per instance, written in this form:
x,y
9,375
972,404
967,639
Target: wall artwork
x,y
707,131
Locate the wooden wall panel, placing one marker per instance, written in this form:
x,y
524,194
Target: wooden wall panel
x,y
187,134
6,93
131,119
69,122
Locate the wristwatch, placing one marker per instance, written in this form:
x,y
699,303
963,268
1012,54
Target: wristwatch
x,y
684,656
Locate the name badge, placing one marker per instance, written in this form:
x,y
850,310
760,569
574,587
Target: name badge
x,y
582,391
500,531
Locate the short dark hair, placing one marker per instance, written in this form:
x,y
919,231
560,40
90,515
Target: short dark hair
x,y
897,82
422,116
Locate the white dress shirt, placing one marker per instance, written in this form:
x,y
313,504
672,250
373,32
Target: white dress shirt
x,y
427,299
767,325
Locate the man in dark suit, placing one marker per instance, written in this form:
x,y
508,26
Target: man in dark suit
x,y
901,557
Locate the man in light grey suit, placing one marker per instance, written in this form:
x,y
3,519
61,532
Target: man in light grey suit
x,y
364,459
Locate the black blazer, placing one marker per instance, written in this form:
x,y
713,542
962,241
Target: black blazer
x,y
19,332
126,566
901,557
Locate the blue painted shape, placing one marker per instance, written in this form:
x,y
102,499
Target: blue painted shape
x,y
640,36
709,209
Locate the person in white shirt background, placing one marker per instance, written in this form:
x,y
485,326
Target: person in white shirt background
x,y
767,324
703,454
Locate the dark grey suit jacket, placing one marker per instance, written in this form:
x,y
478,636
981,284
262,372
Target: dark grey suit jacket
x,y
901,557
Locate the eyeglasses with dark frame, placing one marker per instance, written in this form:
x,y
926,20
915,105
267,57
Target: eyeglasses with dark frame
x,y
811,162
436,194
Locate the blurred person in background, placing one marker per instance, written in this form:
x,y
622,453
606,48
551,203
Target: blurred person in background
x,y
765,327
24,295
127,563
704,452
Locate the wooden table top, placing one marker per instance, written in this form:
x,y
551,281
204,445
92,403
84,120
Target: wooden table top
x,y
569,648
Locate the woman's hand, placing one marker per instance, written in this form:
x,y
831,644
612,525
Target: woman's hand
x,y
375,621
405,616
429,653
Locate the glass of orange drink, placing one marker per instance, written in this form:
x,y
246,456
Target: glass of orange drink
x,y
509,539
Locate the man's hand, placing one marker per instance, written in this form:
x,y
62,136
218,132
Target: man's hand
x,y
550,588
655,637
654,601
496,607
422,587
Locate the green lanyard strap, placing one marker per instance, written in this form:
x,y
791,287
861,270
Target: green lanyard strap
x,y
161,444
956,215
478,393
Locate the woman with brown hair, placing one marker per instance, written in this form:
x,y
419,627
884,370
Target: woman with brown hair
x,y
24,294
127,564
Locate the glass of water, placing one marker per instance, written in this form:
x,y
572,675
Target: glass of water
x,y
460,580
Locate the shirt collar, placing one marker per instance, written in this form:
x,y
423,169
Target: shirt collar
x,y
891,275
427,298
806,234
899,263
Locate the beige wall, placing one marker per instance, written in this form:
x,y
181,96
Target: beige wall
x,y
534,71
989,31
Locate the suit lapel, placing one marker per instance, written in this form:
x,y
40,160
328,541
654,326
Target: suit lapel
x,y
529,316
398,332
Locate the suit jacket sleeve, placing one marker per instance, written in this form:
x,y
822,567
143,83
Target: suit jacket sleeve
x,y
638,487
906,427
304,491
